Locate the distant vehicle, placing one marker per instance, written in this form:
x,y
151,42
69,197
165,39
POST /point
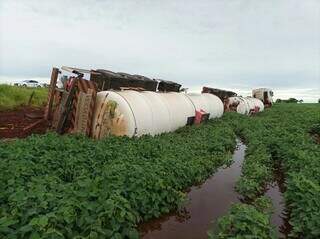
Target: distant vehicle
x,y
29,83
265,95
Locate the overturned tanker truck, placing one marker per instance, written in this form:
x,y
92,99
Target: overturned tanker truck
x,y
121,104
239,104
134,113
244,105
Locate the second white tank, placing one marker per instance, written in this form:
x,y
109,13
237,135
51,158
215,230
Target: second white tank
x,y
207,102
244,105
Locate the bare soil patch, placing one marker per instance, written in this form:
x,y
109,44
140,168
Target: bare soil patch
x,y
13,124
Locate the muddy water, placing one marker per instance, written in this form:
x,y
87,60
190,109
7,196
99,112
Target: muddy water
x,y
206,203
278,207
275,191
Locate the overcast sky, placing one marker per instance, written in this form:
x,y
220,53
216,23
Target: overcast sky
x,y
232,44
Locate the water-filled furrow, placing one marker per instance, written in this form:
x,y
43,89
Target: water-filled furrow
x,y
275,191
206,203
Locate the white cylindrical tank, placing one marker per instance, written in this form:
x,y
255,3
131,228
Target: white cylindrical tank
x,y
133,113
256,105
180,108
208,103
245,105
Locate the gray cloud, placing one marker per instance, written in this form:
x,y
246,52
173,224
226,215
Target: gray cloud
x,y
232,44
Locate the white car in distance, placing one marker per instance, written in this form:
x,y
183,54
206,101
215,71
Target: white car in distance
x,y
28,83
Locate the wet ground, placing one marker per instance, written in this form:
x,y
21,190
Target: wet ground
x,y
207,203
316,138
278,206
13,124
275,191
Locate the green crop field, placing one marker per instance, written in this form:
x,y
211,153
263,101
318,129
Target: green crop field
x,y
74,187
13,97
278,136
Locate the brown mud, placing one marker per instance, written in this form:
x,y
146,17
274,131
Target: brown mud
x,y
316,138
206,203
13,123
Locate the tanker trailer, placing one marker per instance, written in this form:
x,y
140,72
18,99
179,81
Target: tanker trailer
x,y
244,105
136,113
207,106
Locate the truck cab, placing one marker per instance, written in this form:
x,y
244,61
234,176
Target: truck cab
x,y
265,95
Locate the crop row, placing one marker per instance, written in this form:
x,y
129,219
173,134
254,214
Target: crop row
x,y
246,221
75,187
299,155
250,219
279,136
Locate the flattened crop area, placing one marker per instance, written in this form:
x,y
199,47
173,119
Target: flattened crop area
x,y
67,186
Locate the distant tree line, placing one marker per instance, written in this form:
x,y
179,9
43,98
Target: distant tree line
x,y
290,100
